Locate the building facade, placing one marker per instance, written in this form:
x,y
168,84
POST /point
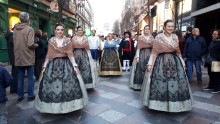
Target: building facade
x,y
195,13
84,14
42,16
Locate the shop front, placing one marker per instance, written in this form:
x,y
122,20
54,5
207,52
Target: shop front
x,y
41,17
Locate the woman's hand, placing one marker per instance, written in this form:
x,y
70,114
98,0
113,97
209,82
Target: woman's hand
x,y
43,70
137,59
76,70
102,53
149,67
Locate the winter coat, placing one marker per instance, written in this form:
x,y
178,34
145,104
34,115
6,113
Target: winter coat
x,y
214,49
195,48
10,47
23,39
5,81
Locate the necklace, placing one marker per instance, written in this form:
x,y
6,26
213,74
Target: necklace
x,y
81,40
58,44
167,35
147,36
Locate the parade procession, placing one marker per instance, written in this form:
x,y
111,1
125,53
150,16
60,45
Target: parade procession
x,y
109,62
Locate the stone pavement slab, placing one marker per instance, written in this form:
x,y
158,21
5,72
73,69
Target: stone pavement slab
x,y
113,102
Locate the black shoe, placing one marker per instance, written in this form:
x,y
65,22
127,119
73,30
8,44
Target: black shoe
x,y
31,98
20,99
123,70
216,91
208,89
128,70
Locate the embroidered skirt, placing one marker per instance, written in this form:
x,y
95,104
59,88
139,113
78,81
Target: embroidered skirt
x,y
87,67
60,89
110,63
138,69
166,88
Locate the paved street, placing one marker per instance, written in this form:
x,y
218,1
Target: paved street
x,y
112,101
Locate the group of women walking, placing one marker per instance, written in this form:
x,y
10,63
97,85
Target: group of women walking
x,y
158,70
67,72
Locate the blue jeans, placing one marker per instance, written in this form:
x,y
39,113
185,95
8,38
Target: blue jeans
x,y
197,64
31,81
94,53
3,113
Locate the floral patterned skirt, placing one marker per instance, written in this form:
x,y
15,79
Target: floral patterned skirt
x,y
138,69
87,67
110,63
166,88
60,89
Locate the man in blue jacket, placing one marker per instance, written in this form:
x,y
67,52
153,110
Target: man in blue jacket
x,y
5,81
195,48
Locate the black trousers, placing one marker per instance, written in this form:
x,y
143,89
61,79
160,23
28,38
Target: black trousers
x,y
127,56
38,67
14,73
100,56
214,79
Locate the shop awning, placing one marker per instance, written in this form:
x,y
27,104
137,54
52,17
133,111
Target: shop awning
x,y
205,10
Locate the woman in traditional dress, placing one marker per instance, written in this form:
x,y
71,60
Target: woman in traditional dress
x,y
139,66
86,65
166,87
61,88
110,63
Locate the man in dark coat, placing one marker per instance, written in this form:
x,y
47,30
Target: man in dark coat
x,y
195,48
126,51
14,70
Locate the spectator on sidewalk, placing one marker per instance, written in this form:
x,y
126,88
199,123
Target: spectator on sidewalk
x,y
5,81
93,45
40,53
45,39
181,40
188,33
24,50
117,40
154,34
214,55
11,56
101,47
195,48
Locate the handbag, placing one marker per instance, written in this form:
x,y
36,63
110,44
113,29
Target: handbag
x,y
209,60
215,66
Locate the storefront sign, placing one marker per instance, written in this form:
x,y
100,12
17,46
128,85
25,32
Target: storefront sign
x,y
4,1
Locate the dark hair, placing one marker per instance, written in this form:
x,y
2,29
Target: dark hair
x,y
178,33
189,29
78,27
166,22
38,32
115,34
127,32
44,35
59,24
217,31
146,26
